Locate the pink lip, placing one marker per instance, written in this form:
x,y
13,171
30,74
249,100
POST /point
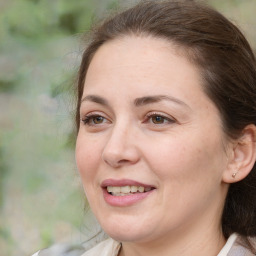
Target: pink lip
x,y
123,201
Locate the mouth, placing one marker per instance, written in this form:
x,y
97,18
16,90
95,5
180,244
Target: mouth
x,y
127,190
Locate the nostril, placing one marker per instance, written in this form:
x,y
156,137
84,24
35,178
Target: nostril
x,y
123,161
112,163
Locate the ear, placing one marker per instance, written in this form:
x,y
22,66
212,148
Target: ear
x,y
242,156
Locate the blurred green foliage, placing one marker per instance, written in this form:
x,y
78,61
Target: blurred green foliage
x,y
46,18
3,171
41,199
29,26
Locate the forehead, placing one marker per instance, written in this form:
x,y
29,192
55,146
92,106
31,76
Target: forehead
x,y
133,67
139,60
129,49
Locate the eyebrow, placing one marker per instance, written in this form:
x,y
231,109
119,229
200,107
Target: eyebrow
x,y
96,99
138,102
157,98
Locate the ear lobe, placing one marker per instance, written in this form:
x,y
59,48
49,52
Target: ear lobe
x,y
243,156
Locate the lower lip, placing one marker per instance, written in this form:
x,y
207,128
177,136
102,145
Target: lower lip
x,y
125,200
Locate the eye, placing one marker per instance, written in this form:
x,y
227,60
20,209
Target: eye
x,y
93,120
97,119
158,119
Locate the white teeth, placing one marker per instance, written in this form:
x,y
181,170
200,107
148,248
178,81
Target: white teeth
x,y
126,190
116,189
141,189
133,189
109,189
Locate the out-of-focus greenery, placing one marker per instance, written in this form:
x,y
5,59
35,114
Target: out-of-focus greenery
x,y
41,199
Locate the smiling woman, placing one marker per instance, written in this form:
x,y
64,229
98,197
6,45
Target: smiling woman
x,y
166,142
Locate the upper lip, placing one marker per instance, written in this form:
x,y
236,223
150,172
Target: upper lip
x,y
124,182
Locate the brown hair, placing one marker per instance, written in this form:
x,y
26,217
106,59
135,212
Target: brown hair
x,y
228,68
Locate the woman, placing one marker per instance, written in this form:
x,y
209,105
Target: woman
x,y
166,143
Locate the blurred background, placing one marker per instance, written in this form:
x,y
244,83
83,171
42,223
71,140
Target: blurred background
x,y
41,42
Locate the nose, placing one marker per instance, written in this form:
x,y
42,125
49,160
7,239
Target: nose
x,y
121,148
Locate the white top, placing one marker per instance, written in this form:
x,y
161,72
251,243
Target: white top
x,y
110,247
224,251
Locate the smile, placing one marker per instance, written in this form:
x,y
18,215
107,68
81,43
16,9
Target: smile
x,y
127,190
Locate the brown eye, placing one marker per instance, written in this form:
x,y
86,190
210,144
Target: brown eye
x,y
94,120
158,119
98,120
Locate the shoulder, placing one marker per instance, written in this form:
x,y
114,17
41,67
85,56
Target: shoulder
x,y
62,250
108,247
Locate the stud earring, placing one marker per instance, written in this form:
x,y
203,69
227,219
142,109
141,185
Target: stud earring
x,y
234,174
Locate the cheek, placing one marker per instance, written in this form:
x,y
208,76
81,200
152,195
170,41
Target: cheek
x,y
189,171
87,159
186,158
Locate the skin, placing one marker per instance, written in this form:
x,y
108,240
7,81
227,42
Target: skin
x,y
184,155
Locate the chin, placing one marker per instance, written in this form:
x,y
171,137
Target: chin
x,y
123,236
127,231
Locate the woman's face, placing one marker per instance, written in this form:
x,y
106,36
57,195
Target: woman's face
x,y
151,137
